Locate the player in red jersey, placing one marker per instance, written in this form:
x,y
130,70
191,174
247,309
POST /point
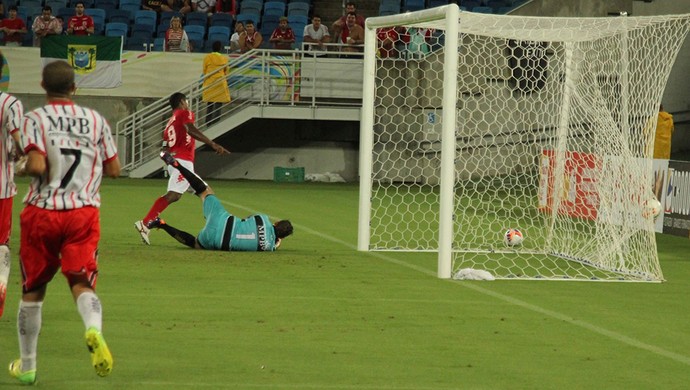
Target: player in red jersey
x,y
80,23
69,148
11,111
179,135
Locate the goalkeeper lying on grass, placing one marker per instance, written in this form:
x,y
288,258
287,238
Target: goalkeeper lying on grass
x,y
223,231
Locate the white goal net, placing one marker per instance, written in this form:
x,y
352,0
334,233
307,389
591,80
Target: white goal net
x,y
473,124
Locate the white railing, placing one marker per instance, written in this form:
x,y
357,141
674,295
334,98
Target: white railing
x,y
258,77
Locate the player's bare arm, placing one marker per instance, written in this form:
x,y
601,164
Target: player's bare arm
x,y
199,136
36,164
112,167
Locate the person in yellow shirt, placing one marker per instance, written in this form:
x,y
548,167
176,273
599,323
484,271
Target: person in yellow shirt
x,y
215,88
664,132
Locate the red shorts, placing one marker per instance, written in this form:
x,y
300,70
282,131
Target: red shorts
x,y
53,239
5,220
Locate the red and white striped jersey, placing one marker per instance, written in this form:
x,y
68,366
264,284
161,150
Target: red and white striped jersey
x,y
11,112
76,141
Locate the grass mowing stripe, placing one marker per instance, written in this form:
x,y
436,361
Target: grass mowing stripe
x,y
582,324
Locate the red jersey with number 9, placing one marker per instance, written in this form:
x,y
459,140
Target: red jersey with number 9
x,y
175,135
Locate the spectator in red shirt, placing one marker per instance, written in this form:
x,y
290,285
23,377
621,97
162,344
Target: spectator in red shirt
x,y
13,27
283,37
80,23
350,7
387,38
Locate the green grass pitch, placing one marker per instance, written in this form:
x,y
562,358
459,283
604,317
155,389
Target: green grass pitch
x,y
318,314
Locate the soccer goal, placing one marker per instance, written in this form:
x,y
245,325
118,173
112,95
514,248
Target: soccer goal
x,y
473,124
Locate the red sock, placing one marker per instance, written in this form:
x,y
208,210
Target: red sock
x,y
158,206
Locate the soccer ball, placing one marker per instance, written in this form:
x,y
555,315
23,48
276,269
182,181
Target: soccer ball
x,y
513,237
651,208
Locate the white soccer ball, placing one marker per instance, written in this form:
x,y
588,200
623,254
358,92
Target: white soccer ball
x,y
513,237
651,208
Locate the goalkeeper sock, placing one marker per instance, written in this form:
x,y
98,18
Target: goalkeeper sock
x,y
183,237
194,180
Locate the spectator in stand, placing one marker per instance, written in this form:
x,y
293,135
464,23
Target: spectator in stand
x,y
250,38
387,37
80,23
155,5
317,34
215,88
235,38
351,35
181,6
417,41
350,7
283,37
227,6
206,6
175,37
46,24
13,27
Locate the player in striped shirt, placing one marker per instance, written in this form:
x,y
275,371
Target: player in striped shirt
x,y
70,148
223,231
179,135
11,111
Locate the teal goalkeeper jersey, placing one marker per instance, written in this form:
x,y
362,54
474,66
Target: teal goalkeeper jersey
x,y
223,231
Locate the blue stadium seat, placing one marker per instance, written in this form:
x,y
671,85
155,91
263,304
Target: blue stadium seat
x,y
251,6
117,30
145,17
483,10
389,9
64,13
55,4
131,5
218,33
244,17
196,18
119,16
139,43
437,3
197,45
159,44
195,32
298,8
30,4
165,17
274,8
98,16
105,4
221,19
413,5
298,19
144,30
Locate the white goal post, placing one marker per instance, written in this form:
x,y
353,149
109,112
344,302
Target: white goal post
x,y
473,124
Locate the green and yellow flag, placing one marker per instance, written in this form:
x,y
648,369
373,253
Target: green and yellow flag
x,y
95,59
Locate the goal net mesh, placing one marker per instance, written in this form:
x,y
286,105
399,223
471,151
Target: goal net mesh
x,y
554,129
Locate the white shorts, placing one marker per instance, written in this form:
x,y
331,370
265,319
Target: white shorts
x,y
177,182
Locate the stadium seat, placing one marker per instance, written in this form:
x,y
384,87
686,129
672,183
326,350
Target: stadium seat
x,y
298,19
274,8
138,43
221,19
98,16
483,10
197,45
470,4
105,4
159,44
437,3
217,33
145,17
165,17
389,9
195,32
144,30
298,8
244,17
31,4
87,3
55,4
196,18
413,5
131,5
117,30
64,13
119,16
251,6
